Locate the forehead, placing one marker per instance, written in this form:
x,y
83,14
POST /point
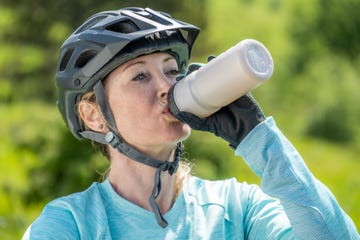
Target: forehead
x,y
159,56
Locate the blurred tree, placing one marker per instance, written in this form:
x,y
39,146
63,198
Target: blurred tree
x,y
35,30
323,66
338,24
329,25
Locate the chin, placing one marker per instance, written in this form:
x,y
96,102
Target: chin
x,y
187,132
180,133
175,131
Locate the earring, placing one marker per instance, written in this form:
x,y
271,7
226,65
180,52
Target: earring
x,y
101,126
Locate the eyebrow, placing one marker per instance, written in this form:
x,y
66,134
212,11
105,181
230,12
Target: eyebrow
x,y
133,64
143,62
169,58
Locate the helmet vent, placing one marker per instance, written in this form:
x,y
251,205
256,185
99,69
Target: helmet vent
x,y
85,57
65,59
160,18
90,23
126,26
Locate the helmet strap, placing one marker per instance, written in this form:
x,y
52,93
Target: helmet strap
x,y
104,104
118,143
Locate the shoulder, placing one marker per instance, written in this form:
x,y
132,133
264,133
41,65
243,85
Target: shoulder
x,y
71,215
79,201
78,204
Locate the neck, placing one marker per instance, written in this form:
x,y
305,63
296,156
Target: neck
x,y
134,181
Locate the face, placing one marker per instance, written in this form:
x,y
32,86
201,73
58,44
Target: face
x,y
137,93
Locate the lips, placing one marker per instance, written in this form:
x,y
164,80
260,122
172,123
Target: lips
x,y
167,110
169,114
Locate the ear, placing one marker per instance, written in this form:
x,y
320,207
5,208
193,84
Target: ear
x,y
91,115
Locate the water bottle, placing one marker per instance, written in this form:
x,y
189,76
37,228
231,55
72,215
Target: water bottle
x,y
224,79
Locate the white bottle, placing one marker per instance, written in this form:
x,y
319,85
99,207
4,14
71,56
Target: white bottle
x,y
222,80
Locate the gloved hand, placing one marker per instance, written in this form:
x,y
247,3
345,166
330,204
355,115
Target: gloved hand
x,y
232,122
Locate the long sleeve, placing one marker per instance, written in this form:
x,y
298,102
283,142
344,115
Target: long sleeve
x,y
311,208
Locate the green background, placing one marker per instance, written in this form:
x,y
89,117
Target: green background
x,y
313,95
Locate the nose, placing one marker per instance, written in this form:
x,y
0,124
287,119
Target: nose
x,y
164,84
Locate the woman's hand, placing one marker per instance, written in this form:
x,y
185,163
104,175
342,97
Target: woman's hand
x,y
232,122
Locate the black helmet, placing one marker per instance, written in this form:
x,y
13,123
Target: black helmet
x,y
108,39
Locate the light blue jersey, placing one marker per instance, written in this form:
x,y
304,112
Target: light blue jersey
x,y
299,204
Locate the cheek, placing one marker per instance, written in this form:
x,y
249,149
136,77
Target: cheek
x,y
128,113
127,122
128,102
131,114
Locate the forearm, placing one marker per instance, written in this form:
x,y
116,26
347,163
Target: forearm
x,y
311,208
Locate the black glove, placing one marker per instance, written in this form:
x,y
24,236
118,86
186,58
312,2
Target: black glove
x,y
232,122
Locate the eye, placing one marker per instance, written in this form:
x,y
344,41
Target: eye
x,y
140,77
173,72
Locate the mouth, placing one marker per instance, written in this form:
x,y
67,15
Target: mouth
x,y
167,110
169,115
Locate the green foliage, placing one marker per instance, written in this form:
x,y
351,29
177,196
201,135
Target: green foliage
x,y
326,67
39,161
339,31
313,95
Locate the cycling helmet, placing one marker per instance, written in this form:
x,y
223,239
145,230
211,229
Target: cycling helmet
x,y
97,47
108,39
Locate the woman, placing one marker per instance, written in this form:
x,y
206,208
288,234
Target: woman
x,y
114,75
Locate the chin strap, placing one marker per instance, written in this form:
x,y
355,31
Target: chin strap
x,y
161,166
117,143
171,167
